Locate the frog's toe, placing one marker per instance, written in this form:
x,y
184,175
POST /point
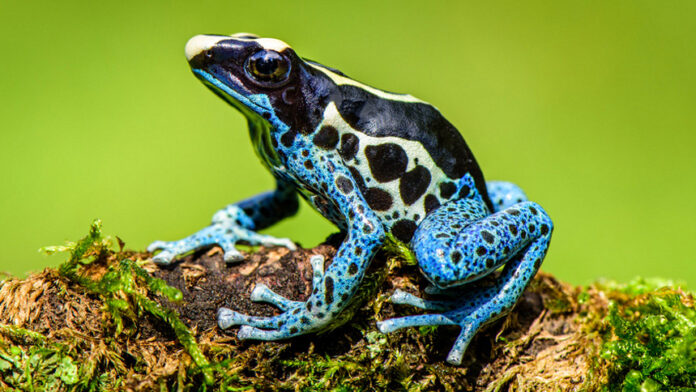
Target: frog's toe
x,y
227,318
248,332
262,293
164,257
393,324
457,352
317,262
170,249
273,241
156,245
166,254
401,297
231,255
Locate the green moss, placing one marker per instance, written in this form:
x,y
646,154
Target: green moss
x,y
400,250
644,340
36,364
124,288
651,345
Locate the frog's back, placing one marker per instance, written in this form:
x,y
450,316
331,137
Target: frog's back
x,y
406,158
411,120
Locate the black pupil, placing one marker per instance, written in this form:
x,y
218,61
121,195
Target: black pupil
x,y
267,64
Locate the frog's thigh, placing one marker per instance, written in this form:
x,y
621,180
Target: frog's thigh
x,y
459,243
519,235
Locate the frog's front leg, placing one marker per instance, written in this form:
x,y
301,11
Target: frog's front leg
x,y
237,222
333,287
459,243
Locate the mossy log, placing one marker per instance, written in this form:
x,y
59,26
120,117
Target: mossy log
x,y
109,319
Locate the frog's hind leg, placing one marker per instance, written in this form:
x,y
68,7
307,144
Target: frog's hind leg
x,y
458,244
504,194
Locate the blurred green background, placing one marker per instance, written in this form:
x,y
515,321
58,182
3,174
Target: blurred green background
x,y
589,106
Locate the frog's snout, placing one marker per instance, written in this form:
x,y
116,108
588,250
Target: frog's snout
x,y
200,44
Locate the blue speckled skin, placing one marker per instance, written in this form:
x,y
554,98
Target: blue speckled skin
x,y
373,163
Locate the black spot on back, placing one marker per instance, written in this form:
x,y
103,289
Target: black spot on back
x,y
352,269
378,199
403,230
387,161
430,203
414,184
326,138
349,146
415,121
447,189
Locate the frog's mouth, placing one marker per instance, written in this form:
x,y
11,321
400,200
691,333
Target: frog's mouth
x,y
251,105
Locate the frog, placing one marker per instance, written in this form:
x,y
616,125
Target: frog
x,y
379,165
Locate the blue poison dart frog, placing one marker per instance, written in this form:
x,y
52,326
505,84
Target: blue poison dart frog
x,y
374,163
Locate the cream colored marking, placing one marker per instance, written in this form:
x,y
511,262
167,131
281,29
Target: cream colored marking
x,y
272,44
201,43
342,80
247,36
414,150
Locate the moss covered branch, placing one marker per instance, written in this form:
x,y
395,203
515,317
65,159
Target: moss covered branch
x,y
109,319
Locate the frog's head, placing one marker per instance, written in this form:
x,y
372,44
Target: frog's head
x,y
262,77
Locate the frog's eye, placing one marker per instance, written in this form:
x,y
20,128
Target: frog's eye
x,y
268,67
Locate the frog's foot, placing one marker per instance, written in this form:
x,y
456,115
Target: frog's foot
x,y
453,253
217,234
228,318
262,293
471,311
295,320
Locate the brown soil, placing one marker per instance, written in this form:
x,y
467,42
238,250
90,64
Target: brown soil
x,y
540,346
